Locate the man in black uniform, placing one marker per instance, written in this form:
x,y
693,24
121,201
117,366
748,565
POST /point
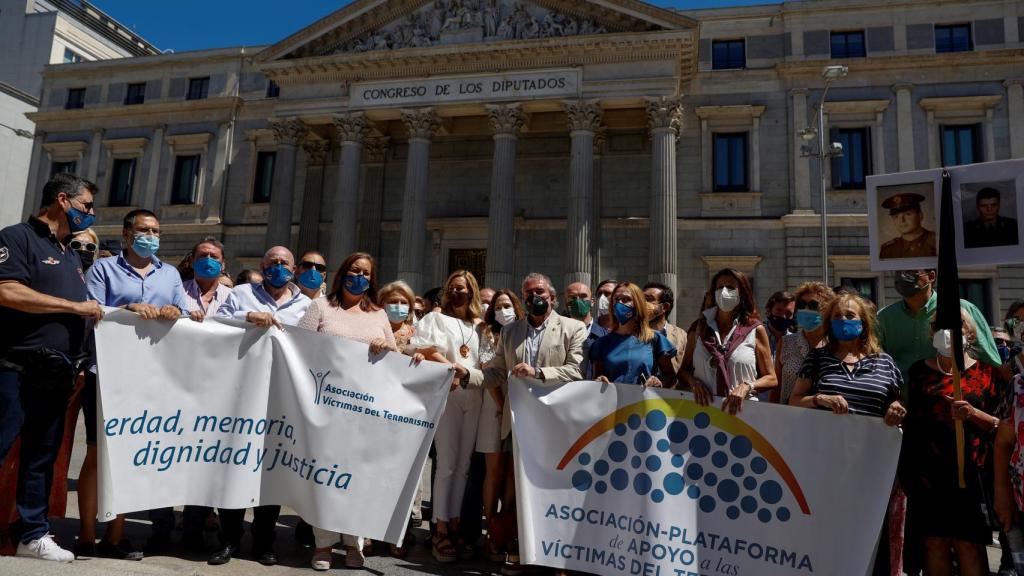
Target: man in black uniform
x,y
43,309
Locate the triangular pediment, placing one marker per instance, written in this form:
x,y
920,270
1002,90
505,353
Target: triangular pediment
x,y
367,26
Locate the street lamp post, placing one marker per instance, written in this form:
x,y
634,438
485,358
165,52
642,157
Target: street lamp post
x,y
830,74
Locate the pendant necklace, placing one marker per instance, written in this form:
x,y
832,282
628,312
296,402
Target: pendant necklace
x,y
464,349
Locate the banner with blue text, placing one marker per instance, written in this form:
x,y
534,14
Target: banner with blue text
x,y
227,415
618,479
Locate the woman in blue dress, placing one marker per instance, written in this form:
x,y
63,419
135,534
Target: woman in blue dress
x,y
632,352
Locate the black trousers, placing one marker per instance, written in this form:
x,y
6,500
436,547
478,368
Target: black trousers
x,y
264,523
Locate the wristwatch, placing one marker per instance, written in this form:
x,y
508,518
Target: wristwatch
x,y
540,374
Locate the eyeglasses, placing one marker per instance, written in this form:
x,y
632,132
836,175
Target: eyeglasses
x,y
88,206
812,305
1001,342
319,267
79,245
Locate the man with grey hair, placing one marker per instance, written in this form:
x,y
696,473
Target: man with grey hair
x,y
543,345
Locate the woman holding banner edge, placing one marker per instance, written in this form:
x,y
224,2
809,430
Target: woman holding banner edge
x,y
632,352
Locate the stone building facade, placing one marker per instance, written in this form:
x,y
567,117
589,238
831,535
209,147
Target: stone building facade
x,y
581,138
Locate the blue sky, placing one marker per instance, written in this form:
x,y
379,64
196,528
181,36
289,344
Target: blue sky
x,y
197,24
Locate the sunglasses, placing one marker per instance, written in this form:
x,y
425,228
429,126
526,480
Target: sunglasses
x,y
79,245
812,305
1001,342
319,267
87,205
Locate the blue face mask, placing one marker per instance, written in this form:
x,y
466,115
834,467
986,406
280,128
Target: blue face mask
x,y
808,320
277,275
356,284
145,245
623,313
397,312
78,220
311,279
207,268
846,330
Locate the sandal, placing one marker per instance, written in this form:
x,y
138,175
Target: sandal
x,y
442,549
398,552
321,559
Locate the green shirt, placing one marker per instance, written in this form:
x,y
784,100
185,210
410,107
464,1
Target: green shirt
x,y
907,337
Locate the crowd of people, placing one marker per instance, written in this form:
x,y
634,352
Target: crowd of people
x,y
819,347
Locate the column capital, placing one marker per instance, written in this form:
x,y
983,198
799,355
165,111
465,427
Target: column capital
x,y
352,126
899,87
583,115
506,119
288,131
1013,82
665,114
422,123
375,148
798,92
316,151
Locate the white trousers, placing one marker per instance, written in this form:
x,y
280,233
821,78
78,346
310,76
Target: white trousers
x,y
454,441
325,538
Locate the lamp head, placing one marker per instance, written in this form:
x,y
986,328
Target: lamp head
x,y
835,72
808,134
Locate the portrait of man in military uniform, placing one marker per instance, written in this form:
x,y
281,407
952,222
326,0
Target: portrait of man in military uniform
x,y
912,238
984,224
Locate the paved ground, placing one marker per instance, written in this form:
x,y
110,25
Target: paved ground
x,y
294,558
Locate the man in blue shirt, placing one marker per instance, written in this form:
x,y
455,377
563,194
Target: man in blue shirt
x,y
43,311
138,281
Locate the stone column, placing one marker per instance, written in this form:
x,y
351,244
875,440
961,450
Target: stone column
x,y
95,146
156,151
371,202
212,198
34,186
352,129
317,152
905,126
422,124
1015,111
584,120
506,121
801,167
665,118
289,133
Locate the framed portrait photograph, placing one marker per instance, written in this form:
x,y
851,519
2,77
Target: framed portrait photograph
x,y
903,219
989,212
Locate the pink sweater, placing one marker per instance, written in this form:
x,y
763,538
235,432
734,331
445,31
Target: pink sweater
x,y
354,323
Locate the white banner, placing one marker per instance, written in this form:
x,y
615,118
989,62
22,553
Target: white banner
x,y
615,479
220,414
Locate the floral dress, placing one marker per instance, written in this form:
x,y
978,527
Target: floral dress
x,y
937,506
1017,458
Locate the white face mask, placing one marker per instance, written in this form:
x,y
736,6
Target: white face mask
x,y
602,305
942,340
505,316
485,307
727,300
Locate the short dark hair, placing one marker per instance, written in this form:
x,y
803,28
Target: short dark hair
x,y
245,276
780,297
208,240
608,281
988,193
67,183
433,296
667,296
131,217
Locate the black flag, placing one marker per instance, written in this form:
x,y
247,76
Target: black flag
x,y
947,313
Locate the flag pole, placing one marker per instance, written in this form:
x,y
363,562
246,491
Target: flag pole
x,y
958,395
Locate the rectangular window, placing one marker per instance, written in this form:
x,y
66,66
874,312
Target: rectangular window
x,y
730,162
63,167
851,169
198,88
977,292
186,180
264,181
136,94
273,90
728,55
866,287
961,145
121,181
848,44
76,99
72,57
953,38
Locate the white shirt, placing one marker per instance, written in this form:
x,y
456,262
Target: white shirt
x,y
255,298
447,335
742,362
194,297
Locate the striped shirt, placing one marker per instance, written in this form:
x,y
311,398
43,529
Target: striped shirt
x,y
868,387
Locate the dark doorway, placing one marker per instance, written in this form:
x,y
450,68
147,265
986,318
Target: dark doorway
x,y
474,260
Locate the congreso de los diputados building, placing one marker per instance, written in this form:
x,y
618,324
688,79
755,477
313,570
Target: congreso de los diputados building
x,y
585,139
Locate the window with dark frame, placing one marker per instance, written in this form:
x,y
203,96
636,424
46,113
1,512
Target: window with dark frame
x,y
848,44
850,171
72,57
273,90
953,38
186,179
729,156
961,145
63,167
263,183
728,54
866,287
976,291
76,99
135,94
122,180
198,88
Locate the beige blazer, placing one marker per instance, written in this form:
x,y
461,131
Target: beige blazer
x,y
677,336
559,357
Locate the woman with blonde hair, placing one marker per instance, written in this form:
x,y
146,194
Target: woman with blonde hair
x,y
632,352
812,298
452,333
396,299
